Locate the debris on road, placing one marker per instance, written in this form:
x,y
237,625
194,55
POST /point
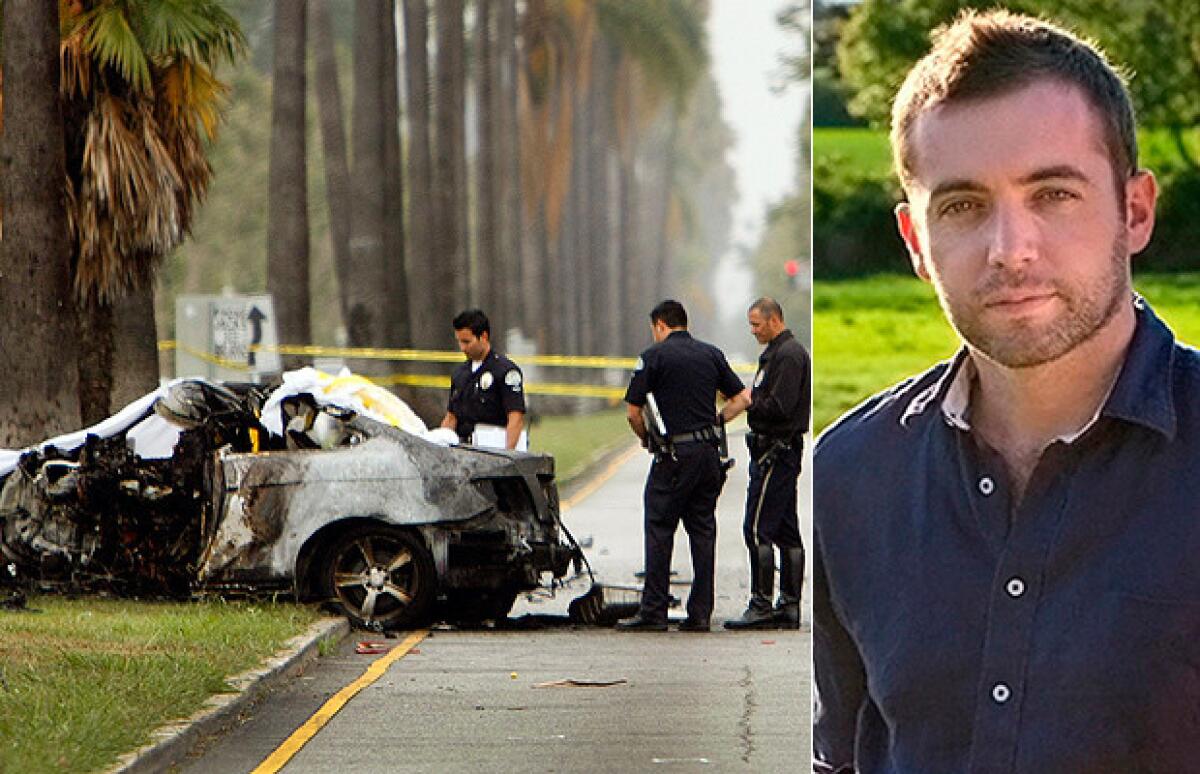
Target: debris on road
x,y
571,682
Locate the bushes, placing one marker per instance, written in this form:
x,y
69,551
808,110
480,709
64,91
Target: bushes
x,y
854,231
854,195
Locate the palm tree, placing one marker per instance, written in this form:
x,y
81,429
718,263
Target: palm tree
x,y
139,101
367,284
333,140
39,396
287,231
398,330
451,280
427,328
662,51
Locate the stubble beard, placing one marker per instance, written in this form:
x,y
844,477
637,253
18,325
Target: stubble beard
x,y
1023,343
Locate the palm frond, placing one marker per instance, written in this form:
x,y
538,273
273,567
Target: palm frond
x,y
666,37
199,30
111,41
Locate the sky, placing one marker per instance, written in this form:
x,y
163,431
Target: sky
x,y
746,45
746,48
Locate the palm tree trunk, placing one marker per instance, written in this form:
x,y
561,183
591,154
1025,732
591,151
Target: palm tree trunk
x,y
452,280
135,346
333,138
630,287
94,326
398,331
428,327
492,279
39,398
603,300
287,219
508,175
368,283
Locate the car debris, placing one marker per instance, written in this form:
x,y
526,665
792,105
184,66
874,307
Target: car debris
x,y
317,487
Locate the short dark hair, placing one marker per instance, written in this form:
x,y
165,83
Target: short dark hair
x,y
474,319
671,313
994,53
768,307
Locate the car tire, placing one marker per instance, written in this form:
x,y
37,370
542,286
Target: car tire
x,y
380,577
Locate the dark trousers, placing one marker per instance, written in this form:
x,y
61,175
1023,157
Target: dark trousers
x,y
682,489
771,515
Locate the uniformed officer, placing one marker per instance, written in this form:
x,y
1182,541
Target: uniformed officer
x,y
778,417
488,388
684,376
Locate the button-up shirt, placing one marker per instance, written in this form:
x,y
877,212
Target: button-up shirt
x,y
959,631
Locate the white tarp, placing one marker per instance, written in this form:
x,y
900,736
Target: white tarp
x,y
154,437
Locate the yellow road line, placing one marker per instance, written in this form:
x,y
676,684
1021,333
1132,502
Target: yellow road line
x,y
590,488
284,753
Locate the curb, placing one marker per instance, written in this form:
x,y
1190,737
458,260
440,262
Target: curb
x,y
172,742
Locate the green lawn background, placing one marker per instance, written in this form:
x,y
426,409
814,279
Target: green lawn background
x,y
870,333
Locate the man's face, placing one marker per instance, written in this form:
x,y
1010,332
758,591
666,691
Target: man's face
x,y
764,327
474,347
1015,218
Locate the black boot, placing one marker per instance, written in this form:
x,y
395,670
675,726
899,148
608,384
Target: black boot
x,y
791,578
759,614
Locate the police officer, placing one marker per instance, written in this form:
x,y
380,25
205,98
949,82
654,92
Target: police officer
x,y
684,376
488,388
778,417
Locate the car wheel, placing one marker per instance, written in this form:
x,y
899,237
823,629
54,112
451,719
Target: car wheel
x,y
380,577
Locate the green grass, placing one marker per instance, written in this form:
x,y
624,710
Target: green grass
x,y
85,680
871,333
576,441
866,151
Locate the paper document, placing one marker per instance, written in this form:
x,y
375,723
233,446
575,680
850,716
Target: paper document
x,y
496,437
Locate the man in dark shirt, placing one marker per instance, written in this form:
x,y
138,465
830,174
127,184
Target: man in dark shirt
x,y
778,417
1005,560
488,388
684,376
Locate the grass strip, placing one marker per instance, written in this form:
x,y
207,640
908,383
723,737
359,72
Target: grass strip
x,y
577,441
86,680
872,332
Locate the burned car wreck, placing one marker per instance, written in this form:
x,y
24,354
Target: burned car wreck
x,y
190,491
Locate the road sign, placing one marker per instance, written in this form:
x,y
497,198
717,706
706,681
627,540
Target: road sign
x,y
226,337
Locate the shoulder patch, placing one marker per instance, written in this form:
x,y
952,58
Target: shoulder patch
x,y
639,365
485,381
513,379
758,379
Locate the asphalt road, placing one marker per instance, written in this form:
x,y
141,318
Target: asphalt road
x,y
474,700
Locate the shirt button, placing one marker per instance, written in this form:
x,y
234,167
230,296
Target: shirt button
x,y
1015,587
1000,693
987,485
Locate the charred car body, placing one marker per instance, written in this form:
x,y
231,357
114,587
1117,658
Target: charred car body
x,y
385,525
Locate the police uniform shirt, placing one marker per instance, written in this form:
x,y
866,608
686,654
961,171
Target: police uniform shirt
x,y
779,405
486,395
685,375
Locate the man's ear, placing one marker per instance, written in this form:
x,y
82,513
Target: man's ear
x,y
908,232
1141,193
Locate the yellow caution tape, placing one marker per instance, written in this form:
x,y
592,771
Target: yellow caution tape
x,y
444,356
562,389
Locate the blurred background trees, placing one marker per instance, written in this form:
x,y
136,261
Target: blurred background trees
x,y
864,49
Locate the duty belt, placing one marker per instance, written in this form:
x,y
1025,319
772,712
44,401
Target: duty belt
x,y
705,434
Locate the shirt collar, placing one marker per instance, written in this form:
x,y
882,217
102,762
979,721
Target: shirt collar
x,y
1141,393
